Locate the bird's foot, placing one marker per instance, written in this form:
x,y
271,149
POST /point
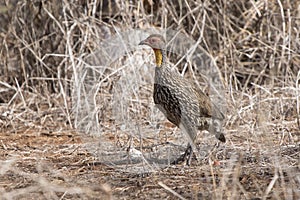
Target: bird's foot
x,y
187,156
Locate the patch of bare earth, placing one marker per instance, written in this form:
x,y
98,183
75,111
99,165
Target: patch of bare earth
x,y
55,164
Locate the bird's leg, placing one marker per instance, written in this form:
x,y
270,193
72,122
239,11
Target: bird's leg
x,y
188,155
189,152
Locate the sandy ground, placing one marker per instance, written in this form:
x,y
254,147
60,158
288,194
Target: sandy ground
x,y
49,164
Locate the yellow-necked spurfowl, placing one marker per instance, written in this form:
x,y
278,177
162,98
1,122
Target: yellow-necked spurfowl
x,y
184,105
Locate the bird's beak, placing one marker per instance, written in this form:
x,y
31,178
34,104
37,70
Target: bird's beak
x,y
143,42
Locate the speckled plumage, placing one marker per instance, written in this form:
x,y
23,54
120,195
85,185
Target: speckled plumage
x,y
182,104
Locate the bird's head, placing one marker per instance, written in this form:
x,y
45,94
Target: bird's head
x,y
157,43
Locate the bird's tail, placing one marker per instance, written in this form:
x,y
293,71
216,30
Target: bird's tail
x,y
216,129
221,137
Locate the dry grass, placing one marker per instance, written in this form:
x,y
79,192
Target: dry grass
x,y
76,111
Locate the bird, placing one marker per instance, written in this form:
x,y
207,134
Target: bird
x,y
184,105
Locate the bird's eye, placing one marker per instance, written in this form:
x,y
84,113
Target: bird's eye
x,y
153,40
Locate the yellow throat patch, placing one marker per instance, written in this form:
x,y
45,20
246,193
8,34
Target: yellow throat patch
x,y
158,57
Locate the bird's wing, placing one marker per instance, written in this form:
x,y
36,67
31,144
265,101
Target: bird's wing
x,y
207,108
204,103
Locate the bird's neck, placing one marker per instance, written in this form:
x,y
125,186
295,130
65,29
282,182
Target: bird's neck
x,y
159,57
